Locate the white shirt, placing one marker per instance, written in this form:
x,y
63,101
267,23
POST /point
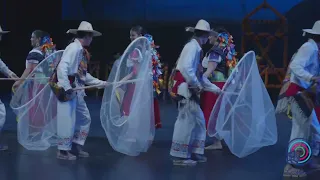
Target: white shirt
x,y
69,65
305,64
188,62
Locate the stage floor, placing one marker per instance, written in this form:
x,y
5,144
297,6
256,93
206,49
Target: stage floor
x,y
106,164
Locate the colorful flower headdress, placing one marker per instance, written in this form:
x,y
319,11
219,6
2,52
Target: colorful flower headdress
x,y
150,38
226,43
156,65
47,44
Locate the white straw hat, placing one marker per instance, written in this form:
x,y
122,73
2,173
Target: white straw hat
x,y
84,27
3,32
202,25
315,29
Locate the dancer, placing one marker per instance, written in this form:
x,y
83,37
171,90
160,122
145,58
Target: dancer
x,y
42,47
127,114
73,116
218,62
190,130
295,97
135,32
7,72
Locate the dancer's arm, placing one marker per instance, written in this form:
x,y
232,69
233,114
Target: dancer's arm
x,y
134,58
91,81
33,59
6,71
301,60
213,60
68,60
127,77
26,72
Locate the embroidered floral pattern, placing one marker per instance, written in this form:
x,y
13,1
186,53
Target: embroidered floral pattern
x,y
81,136
83,66
180,147
184,148
66,142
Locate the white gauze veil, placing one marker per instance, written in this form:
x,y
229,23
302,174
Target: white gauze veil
x,y
127,106
35,106
244,115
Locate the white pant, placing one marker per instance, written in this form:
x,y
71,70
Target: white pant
x,y
73,122
300,124
189,133
2,115
303,128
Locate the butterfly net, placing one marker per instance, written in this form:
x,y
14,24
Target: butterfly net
x,y
35,106
244,116
127,107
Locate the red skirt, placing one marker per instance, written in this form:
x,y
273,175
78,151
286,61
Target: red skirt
x,y
36,114
127,103
157,120
207,101
128,98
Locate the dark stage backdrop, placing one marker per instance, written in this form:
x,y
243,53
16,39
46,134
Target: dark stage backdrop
x,y
168,10
22,17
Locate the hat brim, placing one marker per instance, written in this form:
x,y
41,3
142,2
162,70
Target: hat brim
x,y
94,32
311,31
192,29
4,32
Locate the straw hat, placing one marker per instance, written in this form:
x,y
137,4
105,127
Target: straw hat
x,y
84,27
315,29
3,32
202,25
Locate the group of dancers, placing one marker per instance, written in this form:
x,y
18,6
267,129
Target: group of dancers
x,y
71,72
195,84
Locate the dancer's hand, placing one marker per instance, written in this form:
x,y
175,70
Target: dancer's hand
x,y
218,92
199,89
104,85
16,85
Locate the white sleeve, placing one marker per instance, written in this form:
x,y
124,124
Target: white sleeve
x,y
90,80
68,59
300,61
186,63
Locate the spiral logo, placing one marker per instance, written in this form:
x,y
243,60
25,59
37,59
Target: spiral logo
x,y
299,152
